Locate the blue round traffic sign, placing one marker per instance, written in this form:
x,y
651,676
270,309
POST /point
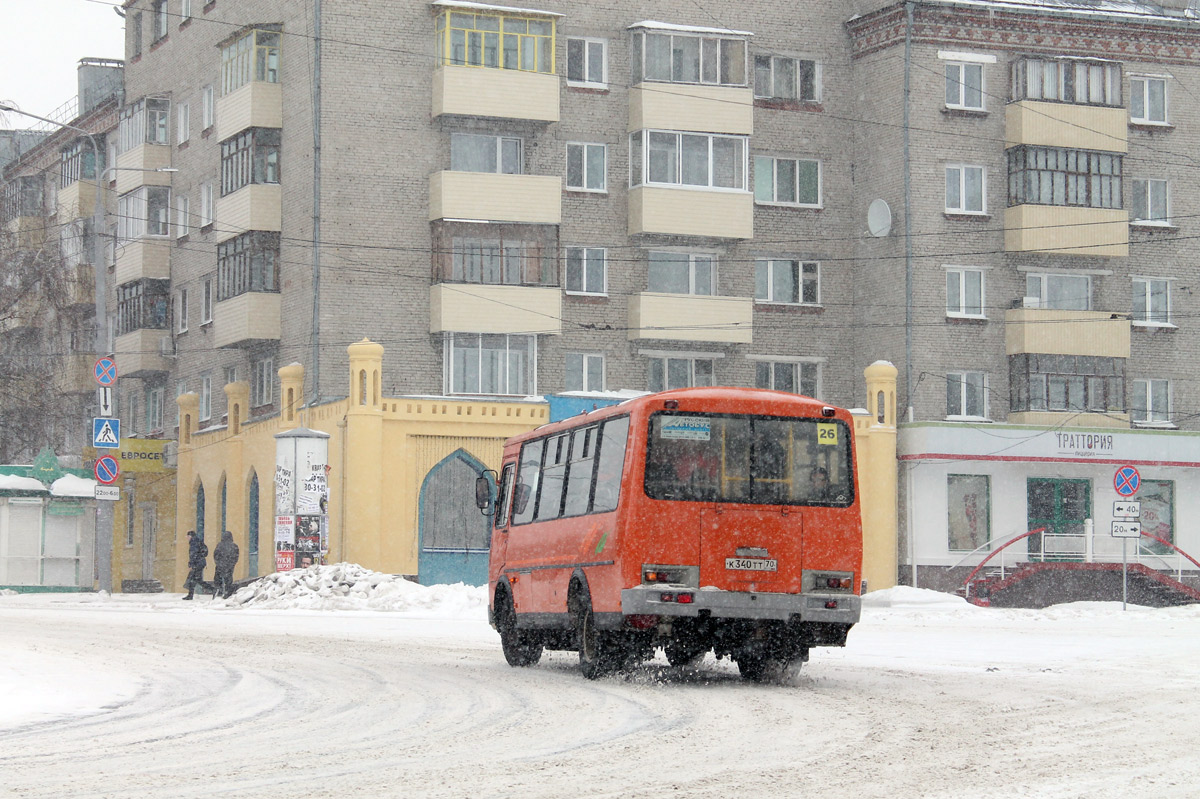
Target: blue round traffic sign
x,y
106,371
107,470
1127,481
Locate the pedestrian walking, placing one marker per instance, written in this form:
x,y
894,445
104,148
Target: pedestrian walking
x,y
225,556
197,558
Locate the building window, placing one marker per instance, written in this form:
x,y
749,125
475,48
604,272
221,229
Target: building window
x,y
964,292
154,409
230,375
586,167
586,270
158,12
667,372
253,57
587,63
495,41
780,78
262,383
135,34
1058,292
682,273
252,156
1151,301
130,410
1150,202
181,310
964,86
207,204
1150,402
205,397
969,511
23,196
206,299
1067,81
77,162
1148,100
1075,383
145,122
183,216
585,372
247,263
473,152
1158,513
495,254
185,11
796,377
787,181
145,211
142,305
687,159
779,280
966,395
208,106
491,364
689,58
1058,176
965,189
183,122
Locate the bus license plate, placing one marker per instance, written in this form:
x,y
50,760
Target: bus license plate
x,y
752,564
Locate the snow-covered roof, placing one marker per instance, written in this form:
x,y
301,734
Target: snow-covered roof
x,y
668,26
487,7
1123,8
12,482
70,485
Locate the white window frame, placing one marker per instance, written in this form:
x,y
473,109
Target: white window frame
x,y
181,310
795,61
800,267
692,271
1143,92
529,340
959,84
769,164
641,153
154,409
1143,189
207,296
498,141
262,385
1144,286
208,106
183,215
589,79
584,151
185,10
205,397
208,193
133,214
956,306
1153,416
663,359
586,256
961,179
582,361
705,38
229,375
1043,277
800,364
183,122
963,379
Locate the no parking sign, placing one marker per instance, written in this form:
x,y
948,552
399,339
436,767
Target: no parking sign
x,y
1127,481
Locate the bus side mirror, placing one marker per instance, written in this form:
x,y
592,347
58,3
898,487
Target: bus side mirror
x,y
520,498
483,493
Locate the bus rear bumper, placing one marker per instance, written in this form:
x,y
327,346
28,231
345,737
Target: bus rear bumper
x,y
835,608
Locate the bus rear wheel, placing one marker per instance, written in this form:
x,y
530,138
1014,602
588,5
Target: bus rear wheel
x,y
599,652
520,649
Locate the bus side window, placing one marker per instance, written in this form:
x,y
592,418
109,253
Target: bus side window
x,y
529,471
554,474
610,464
502,498
579,475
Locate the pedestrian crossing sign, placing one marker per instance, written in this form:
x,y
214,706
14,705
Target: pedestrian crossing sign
x,y
106,433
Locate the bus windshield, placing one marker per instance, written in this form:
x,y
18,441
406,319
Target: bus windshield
x,y
751,459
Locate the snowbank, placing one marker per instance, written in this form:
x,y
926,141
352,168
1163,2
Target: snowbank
x,y
904,596
70,485
348,586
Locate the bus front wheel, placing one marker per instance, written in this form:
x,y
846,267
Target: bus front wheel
x,y
519,649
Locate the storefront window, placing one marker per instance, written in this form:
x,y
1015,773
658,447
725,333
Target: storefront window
x,y
1158,513
968,522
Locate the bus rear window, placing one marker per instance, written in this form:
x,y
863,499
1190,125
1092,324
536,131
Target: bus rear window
x,y
751,459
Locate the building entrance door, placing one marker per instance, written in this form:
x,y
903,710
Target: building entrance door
x,y
453,533
1061,507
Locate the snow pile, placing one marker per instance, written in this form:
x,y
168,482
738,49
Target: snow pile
x,y
904,596
348,586
70,485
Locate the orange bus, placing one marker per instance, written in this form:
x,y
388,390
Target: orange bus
x,y
722,519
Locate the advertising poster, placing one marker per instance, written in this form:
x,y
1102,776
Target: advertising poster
x,y
285,561
285,543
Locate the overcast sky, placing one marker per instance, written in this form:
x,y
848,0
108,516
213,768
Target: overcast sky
x,y
41,42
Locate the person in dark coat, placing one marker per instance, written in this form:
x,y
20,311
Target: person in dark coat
x,y
197,558
225,556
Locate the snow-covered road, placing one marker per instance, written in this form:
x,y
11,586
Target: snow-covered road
x,y
148,696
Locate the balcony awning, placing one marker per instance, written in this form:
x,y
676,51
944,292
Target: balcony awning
x,y
671,27
488,8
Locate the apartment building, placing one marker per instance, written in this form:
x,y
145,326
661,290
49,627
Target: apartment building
x,y
598,196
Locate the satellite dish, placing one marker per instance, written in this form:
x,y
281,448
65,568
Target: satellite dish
x,y
879,218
